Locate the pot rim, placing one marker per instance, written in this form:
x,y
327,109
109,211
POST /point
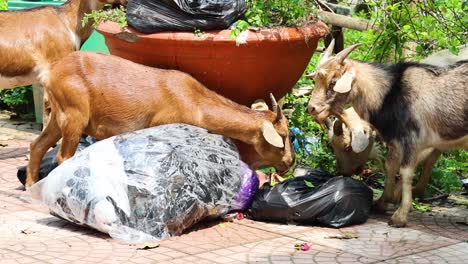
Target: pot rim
x,y
316,29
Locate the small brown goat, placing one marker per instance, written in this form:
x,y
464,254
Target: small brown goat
x,y
352,146
415,108
103,95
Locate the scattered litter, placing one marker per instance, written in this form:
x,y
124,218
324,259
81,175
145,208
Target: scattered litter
x,y
222,225
302,91
344,236
240,216
302,247
147,246
27,231
241,39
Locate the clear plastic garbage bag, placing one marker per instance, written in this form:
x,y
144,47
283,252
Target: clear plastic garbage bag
x,y
149,184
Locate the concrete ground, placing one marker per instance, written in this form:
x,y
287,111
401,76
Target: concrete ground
x,y
28,234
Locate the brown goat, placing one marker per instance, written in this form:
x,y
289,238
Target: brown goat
x,y
103,95
351,158
416,109
352,146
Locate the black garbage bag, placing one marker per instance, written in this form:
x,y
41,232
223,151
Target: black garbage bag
x,y
49,161
150,16
149,184
317,198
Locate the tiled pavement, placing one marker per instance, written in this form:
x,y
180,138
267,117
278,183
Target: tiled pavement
x,y
28,234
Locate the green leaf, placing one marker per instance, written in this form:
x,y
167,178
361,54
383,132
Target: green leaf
x,y
453,50
421,207
309,184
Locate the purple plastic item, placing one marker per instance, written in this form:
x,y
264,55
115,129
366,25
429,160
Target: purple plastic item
x,y
249,187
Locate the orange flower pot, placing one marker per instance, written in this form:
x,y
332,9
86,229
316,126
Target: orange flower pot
x,y
270,61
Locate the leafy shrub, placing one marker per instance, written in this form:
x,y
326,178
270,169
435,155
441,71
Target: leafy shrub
x,y
272,13
117,15
15,97
411,29
3,4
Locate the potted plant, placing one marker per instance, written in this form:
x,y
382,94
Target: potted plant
x,y
266,52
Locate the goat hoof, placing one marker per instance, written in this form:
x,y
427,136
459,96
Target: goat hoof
x,y
394,222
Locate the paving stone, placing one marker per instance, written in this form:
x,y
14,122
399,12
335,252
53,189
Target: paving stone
x,y
28,234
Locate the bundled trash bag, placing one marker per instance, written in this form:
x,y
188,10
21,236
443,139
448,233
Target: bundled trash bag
x,y
49,161
150,16
317,198
149,184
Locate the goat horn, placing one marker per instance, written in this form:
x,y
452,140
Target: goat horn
x,y
276,108
274,104
328,52
340,57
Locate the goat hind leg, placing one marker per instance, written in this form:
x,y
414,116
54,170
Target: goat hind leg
x,y
39,147
426,173
425,177
72,129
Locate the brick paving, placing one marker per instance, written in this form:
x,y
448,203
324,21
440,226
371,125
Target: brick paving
x,y
28,234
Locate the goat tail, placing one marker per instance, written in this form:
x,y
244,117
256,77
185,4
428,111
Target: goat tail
x,y
42,70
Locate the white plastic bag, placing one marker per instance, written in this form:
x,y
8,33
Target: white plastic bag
x,y
149,184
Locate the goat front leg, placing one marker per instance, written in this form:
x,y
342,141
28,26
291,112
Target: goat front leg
x,y
392,164
39,147
400,217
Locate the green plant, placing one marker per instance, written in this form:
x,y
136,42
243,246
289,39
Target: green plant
x,y
274,13
15,97
411,29
117,15
271,13
3,4
198,32
421,207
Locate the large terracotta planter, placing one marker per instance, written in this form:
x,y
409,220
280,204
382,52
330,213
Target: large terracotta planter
x,y
271,60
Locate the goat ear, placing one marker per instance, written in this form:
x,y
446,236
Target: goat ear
x,y
359,140
259,105
344,84
338,127
271,136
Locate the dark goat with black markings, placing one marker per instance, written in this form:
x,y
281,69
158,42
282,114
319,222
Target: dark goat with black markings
x,y
416,109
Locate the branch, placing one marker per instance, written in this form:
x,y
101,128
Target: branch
x,y
345,21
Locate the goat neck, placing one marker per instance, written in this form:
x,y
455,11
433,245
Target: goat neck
x,y
229,119
369,88
73,12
